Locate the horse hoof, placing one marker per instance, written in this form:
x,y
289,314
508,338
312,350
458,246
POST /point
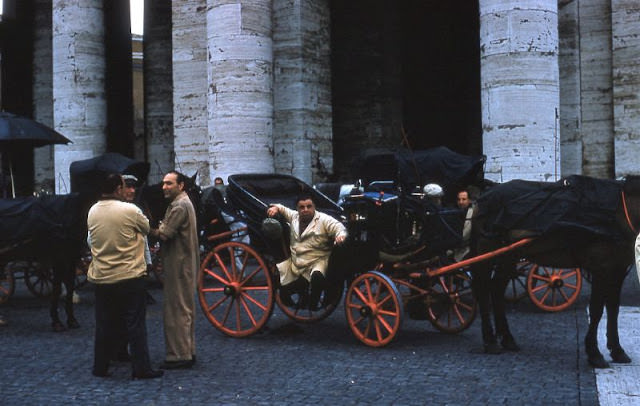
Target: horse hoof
x,y
58,327
492,348
509,344
597,361
73,323
620,357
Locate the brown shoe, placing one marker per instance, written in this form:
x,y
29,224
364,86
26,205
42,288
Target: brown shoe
x,y
182,364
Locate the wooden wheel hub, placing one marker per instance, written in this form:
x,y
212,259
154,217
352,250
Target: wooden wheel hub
x,y
556,282
368,311
232,289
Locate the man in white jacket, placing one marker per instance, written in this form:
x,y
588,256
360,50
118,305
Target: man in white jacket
x,y
312,236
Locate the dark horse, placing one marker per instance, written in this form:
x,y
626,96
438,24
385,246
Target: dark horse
x,y
576,222
52,231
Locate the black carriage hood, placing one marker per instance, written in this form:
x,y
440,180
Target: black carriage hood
x,y
416,168
87,175
575,203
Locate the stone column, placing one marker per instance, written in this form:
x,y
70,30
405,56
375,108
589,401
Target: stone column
x,y
80,107
44,178
302,131
520,89
596,87
240,88
190,88
625,19
158,105
570,106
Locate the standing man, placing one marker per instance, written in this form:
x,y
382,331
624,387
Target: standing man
x,y
312,236
180,257
466,206
116,235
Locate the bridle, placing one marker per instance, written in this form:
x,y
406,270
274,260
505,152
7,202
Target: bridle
x,y
626,213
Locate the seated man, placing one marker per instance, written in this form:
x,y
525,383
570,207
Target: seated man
x,y
312,235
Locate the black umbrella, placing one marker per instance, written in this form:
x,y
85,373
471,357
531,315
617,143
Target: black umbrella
x,y
16,131
21,132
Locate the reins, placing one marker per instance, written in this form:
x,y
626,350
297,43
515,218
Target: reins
x,y
626,213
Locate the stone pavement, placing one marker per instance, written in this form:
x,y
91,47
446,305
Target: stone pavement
x,y
322,364
620,385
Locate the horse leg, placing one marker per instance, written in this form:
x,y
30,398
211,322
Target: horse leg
x,y
612,302
56,324
498,287
480,284
69,278
596,307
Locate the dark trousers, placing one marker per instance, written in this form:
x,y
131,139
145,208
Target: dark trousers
x,y
121,304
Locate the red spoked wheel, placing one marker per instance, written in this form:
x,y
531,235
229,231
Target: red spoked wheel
x,y
235,289
553,289
373,307
299,309
517,287
452,305
7,284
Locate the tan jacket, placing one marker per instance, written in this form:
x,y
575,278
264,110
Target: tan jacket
x,y
310,250
117,233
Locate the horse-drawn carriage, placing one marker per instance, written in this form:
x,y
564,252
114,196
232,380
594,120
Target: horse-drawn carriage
x,y
389,262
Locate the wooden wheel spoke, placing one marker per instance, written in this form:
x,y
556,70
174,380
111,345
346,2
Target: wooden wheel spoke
x,y
545,295
214,275
213,290
376,324
361,296
223,266
541,277
247,310
250,276
216,304
564,295
253,300
539,288
388,313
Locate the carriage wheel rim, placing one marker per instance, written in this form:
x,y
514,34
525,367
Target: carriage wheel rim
x,y
235,294
373,309
554,289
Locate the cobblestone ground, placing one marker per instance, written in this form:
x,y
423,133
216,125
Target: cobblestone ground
x,y
309,364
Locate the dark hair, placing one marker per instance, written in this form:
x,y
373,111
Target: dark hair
x,y
305,196
218,179
180,178
111,183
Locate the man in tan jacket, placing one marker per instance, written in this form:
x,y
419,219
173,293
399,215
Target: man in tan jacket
x,y
312,236
181,258
117,233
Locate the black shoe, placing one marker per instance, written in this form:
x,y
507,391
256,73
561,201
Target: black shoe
x,y
150,374
101,374
317,286
122,357
182,364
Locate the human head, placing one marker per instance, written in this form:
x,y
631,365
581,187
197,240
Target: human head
x,y
463,200
130,183
113,185
218,181
434,192
172,185
306,207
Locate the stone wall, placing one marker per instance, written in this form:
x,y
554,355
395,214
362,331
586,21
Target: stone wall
x,y
191,141
79,101
520,89
626,85
302,89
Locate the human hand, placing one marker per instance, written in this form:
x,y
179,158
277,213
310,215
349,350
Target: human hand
x,y
339,239
272,211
